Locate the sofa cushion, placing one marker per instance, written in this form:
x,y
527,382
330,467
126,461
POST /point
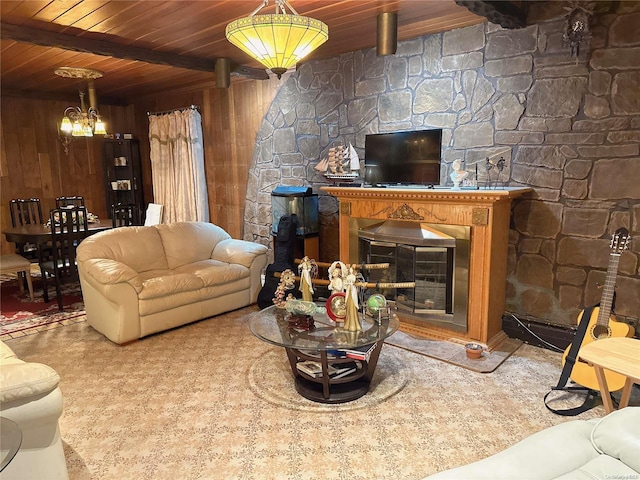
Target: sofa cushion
x,y
202,239
149,274
169,285
213,272
602,467
618,435
167,302
138,247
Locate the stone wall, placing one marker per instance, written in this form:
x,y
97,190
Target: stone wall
x,y
569,128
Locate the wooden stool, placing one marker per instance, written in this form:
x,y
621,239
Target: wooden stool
x,y
15,264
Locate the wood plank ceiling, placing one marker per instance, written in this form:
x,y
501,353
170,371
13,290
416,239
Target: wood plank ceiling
x,y
141,41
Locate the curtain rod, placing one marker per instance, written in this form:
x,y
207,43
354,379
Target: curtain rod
x,y
192,107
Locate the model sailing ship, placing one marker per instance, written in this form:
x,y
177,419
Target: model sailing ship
x,y
342,164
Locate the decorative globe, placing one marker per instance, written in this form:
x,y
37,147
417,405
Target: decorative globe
x,y
375,303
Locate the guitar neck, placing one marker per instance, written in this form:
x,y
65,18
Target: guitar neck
x,y
608,291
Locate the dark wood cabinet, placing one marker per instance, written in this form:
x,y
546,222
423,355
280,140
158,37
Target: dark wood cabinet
x,y
122,176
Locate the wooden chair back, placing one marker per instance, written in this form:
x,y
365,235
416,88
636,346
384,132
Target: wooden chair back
x,y
125,215
68,228
75,201
25,211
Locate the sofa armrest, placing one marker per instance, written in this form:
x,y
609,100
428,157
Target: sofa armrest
x,y
23,380
110,272
237,251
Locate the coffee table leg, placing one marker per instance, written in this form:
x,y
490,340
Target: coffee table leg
x,y
604,389
325,374
293,361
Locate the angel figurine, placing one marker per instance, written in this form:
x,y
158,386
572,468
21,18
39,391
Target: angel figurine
x,y
337,275
352,320
307,269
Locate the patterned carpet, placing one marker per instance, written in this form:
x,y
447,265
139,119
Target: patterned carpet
x,y
180,405
20,316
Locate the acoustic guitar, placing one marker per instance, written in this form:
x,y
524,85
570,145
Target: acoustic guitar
x,y
601,323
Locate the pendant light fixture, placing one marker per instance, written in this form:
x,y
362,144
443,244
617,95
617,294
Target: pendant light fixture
x,y
279,40
81,121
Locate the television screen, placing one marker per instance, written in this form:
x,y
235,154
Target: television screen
x,y
403,158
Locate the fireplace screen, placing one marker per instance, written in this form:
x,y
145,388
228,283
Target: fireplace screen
x,y
435,257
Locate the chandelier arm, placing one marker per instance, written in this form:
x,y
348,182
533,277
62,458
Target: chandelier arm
x,y
74,110
264,4
284,2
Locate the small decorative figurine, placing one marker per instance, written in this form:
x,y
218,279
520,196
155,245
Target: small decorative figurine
x,y
457,174
337,274
308,269
352,320
287,282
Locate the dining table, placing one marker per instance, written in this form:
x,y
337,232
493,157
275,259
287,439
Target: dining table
x,y
39,234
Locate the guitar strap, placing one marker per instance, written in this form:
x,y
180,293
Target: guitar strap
x,y
570,360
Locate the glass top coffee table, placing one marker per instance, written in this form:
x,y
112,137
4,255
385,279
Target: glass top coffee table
x,y
318,356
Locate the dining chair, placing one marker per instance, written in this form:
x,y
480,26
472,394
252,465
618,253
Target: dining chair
x,y
26,212
76,201
68,228
125,215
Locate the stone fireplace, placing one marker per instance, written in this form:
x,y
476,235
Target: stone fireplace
x,y
440,216
435,257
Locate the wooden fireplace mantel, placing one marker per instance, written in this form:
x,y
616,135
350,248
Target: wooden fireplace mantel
x,y
485,211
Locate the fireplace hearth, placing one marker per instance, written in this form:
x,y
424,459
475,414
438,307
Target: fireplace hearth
x,y
435,257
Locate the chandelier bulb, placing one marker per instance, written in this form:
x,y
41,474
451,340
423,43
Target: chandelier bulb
x,y
99,127
65,125
77,129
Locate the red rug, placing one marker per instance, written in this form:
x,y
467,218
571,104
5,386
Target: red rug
x,y
18,313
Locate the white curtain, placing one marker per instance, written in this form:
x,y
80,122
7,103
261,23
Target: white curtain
x,y
177,165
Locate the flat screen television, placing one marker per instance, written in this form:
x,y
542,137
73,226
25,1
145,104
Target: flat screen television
x,y
403,158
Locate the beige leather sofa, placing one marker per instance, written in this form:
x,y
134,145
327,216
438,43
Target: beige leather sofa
x,y
30,397
141,280
600,449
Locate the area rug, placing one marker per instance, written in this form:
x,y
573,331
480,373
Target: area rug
x,y
18,314
270,378
454,353
179,405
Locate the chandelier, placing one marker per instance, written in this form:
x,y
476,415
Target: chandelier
x,y
81,121
279,40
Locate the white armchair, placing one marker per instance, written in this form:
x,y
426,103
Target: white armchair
x,y
30,397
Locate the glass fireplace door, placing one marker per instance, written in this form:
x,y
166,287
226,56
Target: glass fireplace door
x,y
431,268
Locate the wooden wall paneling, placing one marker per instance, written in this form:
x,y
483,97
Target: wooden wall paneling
x,y
34,163
237,167
4,167
214,162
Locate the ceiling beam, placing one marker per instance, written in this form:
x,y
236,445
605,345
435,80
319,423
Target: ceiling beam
x,y
74,43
